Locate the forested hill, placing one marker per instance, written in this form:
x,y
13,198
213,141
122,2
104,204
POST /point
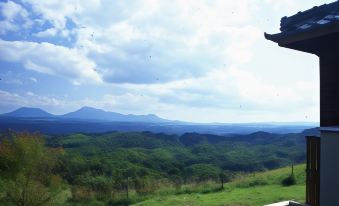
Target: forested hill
x,y
191,156
100,166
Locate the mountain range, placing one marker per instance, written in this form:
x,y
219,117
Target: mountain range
x,y
89,120
84,113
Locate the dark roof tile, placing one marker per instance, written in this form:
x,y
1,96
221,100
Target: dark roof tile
x,y
314,18
318,15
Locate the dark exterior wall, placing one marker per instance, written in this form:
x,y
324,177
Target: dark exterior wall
x,y
329,89
329,168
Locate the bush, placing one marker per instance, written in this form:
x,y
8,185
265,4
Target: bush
x,y
120,202
125,201
27,169
288,181
82,194
144,185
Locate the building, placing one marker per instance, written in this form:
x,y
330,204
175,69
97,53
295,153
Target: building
x,y
316,31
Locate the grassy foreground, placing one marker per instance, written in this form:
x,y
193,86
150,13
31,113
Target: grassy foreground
x,y
247,190
256,189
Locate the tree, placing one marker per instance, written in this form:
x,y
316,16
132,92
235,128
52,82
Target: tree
x,y
26,168
290,180
225,177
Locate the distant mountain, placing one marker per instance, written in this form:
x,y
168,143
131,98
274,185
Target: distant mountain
x,y
28,112
89,119
93,113
89,113
85,113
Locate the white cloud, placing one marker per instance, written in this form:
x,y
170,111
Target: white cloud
x,y
230,89
157,40
28,99
12,11
54,11
50,59
46,33
282,3
33,79
30,93
6,26
240,48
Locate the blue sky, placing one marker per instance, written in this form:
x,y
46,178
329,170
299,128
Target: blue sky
x,y
192,60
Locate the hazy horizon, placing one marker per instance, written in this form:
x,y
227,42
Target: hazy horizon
x,y
268,122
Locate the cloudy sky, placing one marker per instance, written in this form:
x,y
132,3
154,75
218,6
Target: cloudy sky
x,y
191,60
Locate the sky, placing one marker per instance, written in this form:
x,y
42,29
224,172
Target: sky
x,y
190,60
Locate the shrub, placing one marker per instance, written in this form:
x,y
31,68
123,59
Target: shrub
x,y
82,194
288,181
27,169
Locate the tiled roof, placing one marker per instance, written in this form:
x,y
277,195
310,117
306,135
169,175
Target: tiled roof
x,y
317,16
314,18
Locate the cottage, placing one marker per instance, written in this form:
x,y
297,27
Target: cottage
x,y
316,31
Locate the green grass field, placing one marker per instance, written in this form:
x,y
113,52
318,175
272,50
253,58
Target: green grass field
x,y
259,195
256,189
246,190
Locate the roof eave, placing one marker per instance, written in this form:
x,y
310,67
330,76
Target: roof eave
x,y
273,37
288,40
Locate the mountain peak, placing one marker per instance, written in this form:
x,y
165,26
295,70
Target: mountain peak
x,y
86,113
99,114
86,108
28,112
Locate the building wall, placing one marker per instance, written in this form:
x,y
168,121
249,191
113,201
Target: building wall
x,y
329,89
329,168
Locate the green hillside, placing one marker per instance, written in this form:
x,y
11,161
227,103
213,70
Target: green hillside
x,y
256,189
153,169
